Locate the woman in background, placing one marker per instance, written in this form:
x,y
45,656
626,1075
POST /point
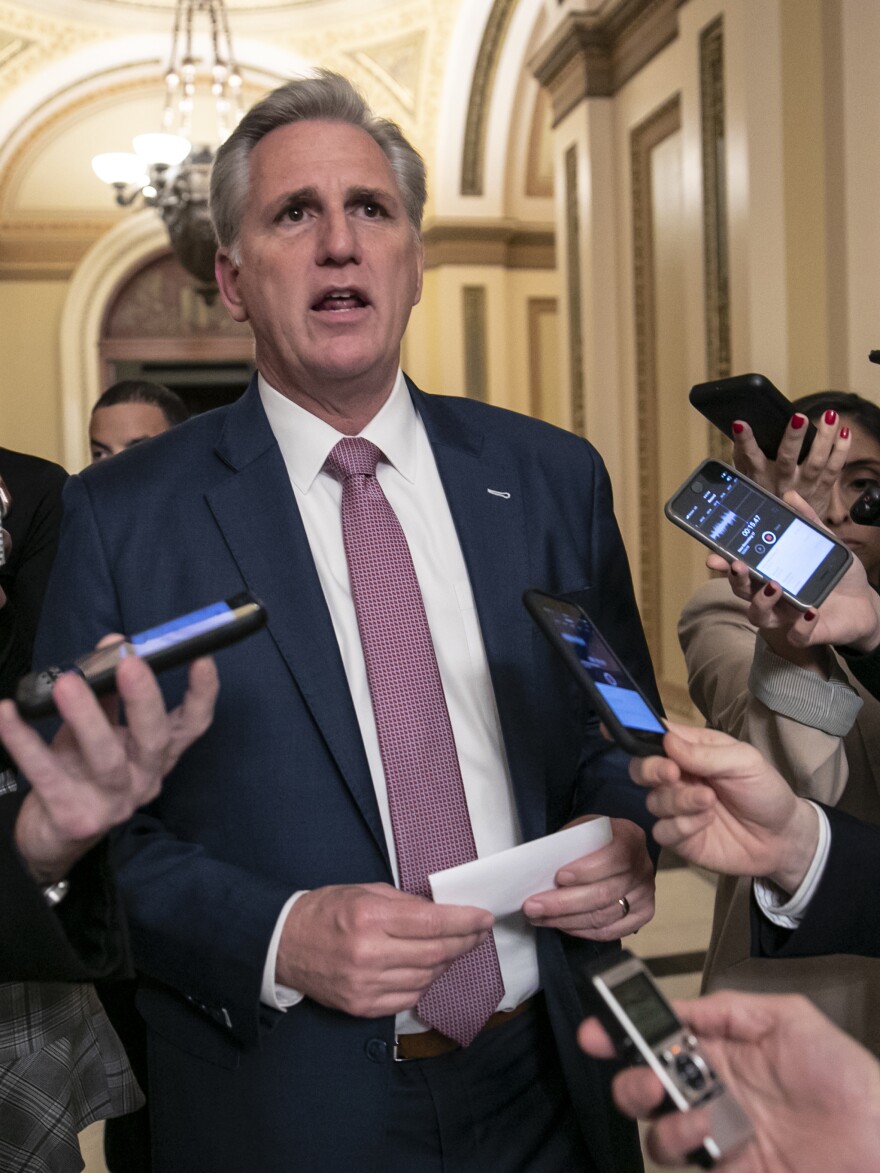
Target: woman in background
x,y
800,707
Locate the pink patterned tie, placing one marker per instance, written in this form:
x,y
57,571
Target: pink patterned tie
x,y
429,814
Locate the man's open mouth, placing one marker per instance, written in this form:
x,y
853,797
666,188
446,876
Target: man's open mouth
x,y
340,299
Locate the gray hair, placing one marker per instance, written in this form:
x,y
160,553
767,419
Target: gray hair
x,y
327,97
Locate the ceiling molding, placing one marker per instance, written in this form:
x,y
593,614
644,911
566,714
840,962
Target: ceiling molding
x,y
591,55
508,245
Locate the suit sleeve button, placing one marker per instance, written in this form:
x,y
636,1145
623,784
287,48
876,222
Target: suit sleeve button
x,y
377,1050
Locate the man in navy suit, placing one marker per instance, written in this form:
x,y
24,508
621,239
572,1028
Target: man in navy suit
x,y
281,963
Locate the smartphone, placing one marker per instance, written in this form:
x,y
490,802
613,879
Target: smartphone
x,y
623,708
736,518
645,1029
752,398
179,640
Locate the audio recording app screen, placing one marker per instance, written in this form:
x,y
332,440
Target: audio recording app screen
x,y
760,531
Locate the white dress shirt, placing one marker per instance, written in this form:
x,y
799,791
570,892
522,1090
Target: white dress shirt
x,y
788,911
411,483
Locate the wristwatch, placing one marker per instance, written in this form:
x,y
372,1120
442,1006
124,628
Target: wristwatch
x,y
54,893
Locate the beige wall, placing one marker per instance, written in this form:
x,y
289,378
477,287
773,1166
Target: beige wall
x,y
30,314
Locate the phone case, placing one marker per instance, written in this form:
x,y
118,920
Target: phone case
x,y
752,398
33,694
834,573
639,743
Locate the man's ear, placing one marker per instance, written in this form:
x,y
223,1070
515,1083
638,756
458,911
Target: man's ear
x,y
227,273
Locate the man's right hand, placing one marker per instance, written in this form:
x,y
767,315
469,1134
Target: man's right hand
x,y
721,806
370,949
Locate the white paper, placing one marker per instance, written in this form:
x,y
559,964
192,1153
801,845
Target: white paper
x,y
501,883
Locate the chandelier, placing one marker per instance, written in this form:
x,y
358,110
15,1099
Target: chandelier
x,y
166,171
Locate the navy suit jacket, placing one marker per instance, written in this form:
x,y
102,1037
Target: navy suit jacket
x,y
844,914
278,796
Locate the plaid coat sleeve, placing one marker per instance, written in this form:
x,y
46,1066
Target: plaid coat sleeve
x,y
61,1067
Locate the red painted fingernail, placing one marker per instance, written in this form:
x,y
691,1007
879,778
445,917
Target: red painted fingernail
x,y
798,421
830,416
809,616
844,433
769,589
737,427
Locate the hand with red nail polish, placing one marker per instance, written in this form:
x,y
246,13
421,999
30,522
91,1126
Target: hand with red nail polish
x,y
814,477
849,617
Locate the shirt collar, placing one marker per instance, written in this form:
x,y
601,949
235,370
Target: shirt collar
x,y
306,441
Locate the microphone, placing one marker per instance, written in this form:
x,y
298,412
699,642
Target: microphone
x,y
866,510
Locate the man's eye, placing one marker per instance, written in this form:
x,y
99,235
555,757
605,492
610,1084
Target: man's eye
x,y
372,210
293,213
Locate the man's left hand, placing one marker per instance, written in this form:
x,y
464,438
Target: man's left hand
x,y
604,895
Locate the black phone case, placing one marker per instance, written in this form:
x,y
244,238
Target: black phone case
x,y
752,398
33,693
628,739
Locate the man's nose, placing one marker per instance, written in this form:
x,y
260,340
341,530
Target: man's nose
x,y
338,239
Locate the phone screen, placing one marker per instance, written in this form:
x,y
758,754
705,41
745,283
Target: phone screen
x,y
166,635
746,523
602,666
646,1006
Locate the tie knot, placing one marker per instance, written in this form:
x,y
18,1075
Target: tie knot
x,y
353,457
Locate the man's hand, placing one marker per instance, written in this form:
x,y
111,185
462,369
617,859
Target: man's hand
x,y
721,806
849,616
815,477
811,1092
371,950
96,772
587,902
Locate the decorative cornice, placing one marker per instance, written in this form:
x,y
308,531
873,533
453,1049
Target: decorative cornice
x,y
591,55
474,242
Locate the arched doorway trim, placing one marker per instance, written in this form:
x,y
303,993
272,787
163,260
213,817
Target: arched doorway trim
x,y
134,240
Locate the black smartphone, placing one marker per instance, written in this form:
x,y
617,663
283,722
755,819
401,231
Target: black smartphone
x,y
645,1029
738,519
752,398
623,708
197,633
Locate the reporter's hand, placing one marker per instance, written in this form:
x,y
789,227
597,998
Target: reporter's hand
x,y
720,805
96,772
850,616
370,949
587,901
812,1093
813,479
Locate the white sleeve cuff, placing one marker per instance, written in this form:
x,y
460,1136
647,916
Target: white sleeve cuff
x,y
272,994
788,913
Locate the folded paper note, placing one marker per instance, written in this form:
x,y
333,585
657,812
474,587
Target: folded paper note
x,y
503,882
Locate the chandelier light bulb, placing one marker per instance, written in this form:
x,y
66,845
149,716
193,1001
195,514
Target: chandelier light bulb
x,y
120,168
167,150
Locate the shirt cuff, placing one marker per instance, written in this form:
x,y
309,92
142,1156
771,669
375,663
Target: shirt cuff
x,y
828,705
272,993
788,913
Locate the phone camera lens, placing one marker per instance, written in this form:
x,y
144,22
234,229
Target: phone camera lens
x,y
697,486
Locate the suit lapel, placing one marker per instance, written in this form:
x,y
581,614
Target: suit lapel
x,y
256,511
485,497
